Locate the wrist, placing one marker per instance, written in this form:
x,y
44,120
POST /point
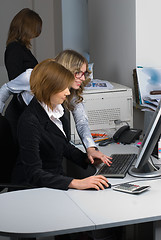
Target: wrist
x,y
74,184
93,148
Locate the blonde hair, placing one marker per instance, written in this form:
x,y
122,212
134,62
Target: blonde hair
x,y
26,25
73,61
49,77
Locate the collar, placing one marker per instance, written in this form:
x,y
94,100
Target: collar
x,y
58,112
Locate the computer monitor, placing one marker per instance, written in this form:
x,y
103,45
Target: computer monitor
x,y
144,166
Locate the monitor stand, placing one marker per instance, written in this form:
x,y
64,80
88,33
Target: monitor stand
x,y
149,170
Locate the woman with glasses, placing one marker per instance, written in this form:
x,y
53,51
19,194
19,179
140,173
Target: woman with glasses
x,y
78,65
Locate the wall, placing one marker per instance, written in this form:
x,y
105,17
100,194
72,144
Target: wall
x,y
75,25
44,46
123,34
148,34
112,39
58,26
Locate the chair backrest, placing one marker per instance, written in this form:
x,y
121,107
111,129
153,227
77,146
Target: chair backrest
x,y
7,151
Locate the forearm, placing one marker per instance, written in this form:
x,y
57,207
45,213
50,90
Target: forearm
x,y
82,126
4,95
17,85
20,83
74,184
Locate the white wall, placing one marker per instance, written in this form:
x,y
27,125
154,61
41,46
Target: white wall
x,y
75,25
148,33
44,46
112,39
112,43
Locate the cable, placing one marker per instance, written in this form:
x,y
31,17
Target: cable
x,y
118,121
138,180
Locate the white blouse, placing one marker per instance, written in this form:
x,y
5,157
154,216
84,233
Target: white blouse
x,y
55,114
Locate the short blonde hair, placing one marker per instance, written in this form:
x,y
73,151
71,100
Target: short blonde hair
x,y
49,77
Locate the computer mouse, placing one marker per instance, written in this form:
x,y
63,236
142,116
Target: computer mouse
x,y
105,187
109,186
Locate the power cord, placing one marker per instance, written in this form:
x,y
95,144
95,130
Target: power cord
x,y
118,121
138,180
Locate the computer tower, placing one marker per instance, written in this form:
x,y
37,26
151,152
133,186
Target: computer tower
x,y
107,110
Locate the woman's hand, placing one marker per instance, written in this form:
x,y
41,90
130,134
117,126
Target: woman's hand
x,y
97,157
96,182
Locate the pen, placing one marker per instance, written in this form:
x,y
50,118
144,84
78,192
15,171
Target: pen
x,y
98,135
99,140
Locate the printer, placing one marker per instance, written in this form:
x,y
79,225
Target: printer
x,y
107,110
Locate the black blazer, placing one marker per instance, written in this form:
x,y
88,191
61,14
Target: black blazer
x,y
18,59
42,146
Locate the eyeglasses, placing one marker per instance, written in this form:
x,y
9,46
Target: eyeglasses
x,y
81,74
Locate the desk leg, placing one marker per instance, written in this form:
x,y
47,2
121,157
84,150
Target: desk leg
x,y
157,230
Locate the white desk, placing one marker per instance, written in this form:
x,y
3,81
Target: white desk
x,y
40,212
110,208
48,212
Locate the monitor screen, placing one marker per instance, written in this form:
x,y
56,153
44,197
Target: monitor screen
x,y
144,166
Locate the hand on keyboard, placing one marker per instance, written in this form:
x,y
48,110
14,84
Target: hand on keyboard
x,y
96,157
119,167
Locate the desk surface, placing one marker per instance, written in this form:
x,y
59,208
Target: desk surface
x,y
111,208
45,212
40,212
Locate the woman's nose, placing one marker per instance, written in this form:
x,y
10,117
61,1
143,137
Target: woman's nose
x,y
67,91
82,78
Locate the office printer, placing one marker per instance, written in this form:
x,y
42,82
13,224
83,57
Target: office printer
x,y
107,110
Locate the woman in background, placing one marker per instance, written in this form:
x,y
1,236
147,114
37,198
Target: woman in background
x,y
25,26
78,65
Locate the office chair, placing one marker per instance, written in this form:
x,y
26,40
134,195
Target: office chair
x,y
8,153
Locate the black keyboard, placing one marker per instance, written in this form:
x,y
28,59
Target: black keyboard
x,y
119,167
